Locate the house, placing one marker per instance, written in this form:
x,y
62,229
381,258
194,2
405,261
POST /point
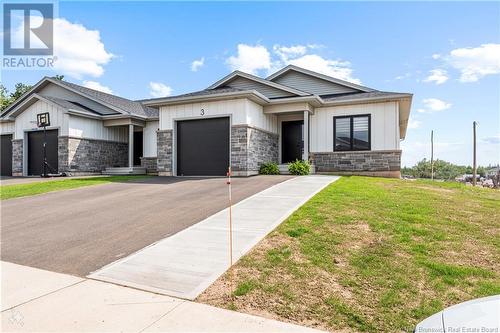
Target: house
x,y
240,121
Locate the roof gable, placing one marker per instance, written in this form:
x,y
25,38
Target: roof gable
x,y
313,82
244,81
113,103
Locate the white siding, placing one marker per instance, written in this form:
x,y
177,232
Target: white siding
x,y
242,112
384,125
26,121
311,84
257,118
149,139
268,91
80,127
7,128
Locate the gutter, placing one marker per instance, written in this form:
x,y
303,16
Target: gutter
x,y
183,100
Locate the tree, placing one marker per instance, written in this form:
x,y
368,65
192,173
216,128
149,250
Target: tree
x,y
4,97
59,77
21,88
7,99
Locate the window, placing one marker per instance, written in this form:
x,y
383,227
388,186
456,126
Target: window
x,y
351,133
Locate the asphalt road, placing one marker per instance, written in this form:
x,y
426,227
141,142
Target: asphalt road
x,y
79,231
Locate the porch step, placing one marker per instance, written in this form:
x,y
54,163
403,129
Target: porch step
x,y
283,169
124,171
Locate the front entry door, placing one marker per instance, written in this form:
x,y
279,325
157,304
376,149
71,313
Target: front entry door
x,y
291,141
138,138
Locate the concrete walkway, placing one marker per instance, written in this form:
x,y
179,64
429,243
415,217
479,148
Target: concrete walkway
x,y
35,300
187,263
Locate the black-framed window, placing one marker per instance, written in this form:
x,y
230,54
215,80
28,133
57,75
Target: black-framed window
x,y
352,133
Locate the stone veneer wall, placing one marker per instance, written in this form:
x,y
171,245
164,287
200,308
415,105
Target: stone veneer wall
x,y
87,156
150,163
165,149
250,148
378,163
17,157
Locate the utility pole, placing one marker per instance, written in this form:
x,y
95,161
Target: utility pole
x,y
474,166
432,155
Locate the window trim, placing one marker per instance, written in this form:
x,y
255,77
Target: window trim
x,y
351,122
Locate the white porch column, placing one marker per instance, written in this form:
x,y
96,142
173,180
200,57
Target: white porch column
x,y
130,145
305,155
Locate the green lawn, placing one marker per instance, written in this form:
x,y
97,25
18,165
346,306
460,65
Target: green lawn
x,y
371,254
22,190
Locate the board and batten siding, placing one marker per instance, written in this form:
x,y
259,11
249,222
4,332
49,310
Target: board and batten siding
x,y
311,84
7,127
87,128
268,91
242,111
26,121
150,138
384,125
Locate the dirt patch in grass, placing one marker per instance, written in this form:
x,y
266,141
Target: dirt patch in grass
x,y
369,254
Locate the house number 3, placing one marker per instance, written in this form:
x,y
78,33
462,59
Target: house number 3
x,y
202,112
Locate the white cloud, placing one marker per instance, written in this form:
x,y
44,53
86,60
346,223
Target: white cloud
x,y
158,89
433,105
438,76
436,56
285,52
335,68
250,59
197,64
404,76
413,123
79,51
494,140
97,86
475,62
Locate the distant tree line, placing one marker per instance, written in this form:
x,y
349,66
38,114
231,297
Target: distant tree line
x,y
442,170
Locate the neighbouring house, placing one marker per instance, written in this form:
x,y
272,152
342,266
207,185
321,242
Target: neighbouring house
x,y
240,121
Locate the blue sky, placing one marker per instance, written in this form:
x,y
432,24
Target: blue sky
x,y
446,54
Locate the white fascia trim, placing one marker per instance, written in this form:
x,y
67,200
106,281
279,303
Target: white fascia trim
x,y
368,99
259,80
84,114
314,98
19,101
27,100
189,99
319,76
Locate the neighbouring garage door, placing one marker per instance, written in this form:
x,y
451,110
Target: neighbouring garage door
x,y
6,155
35,152
203,147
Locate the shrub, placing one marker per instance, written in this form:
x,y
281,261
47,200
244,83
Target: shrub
x,y
269,168
299,168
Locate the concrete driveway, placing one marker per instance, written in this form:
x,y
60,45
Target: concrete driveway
x,y
79,231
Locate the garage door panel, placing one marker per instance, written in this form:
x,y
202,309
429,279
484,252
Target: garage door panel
x,y
6,167
35,152
203,147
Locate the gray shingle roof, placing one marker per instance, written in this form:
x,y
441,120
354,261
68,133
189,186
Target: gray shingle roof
x,y
126,105
205,92
73,105
363,95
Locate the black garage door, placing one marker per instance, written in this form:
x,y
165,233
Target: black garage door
x,y
6,155
35,152
203,147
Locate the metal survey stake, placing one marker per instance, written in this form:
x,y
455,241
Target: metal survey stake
x,y
230,219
